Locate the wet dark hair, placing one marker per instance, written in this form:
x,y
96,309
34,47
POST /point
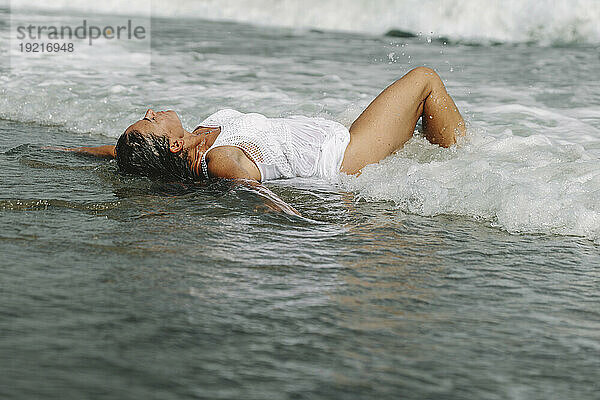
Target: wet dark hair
x,y
149,155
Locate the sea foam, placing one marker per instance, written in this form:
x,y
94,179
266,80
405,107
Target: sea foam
x,y
546,21
520,184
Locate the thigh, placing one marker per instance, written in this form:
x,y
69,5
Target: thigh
x,y
388,122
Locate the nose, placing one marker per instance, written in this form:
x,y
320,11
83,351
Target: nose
x,y
150,113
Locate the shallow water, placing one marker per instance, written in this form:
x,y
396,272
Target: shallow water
x,y
114,287
463,273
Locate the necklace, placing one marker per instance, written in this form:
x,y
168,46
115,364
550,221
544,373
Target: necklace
x,y
205,132
198,165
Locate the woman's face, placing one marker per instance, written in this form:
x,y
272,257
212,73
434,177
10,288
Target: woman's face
x,y
161,123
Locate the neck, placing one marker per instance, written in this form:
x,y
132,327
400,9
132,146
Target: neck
x,y
199,142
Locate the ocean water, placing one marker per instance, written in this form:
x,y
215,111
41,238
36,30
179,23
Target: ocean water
x,y
469,272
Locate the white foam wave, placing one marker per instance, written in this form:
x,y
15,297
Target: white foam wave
x,y
546,21
521,184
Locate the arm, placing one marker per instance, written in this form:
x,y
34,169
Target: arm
x,y
106,151
229,165
272,201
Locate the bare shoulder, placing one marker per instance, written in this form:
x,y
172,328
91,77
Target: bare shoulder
x,y
230,162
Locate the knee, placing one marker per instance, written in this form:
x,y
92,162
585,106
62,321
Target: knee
x,y
424,72
426,76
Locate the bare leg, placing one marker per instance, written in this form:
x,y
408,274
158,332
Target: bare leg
x,y
390,120
442,121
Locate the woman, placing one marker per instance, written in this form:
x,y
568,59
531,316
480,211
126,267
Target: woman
x,y
250,148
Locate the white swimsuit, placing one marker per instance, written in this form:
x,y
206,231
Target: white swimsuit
x,y
296,146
